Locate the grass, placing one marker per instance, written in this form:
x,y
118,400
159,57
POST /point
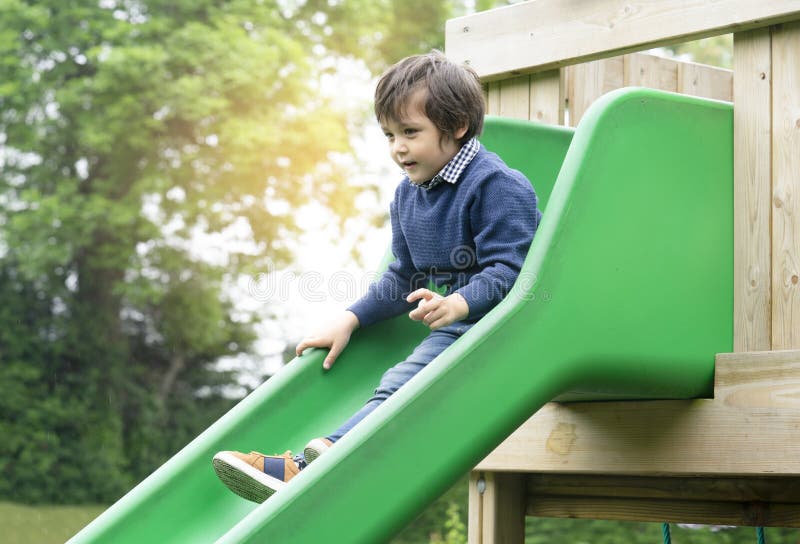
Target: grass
x,y
22,524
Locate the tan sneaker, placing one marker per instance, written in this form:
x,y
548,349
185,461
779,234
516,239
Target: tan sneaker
x,y
255,476
315,448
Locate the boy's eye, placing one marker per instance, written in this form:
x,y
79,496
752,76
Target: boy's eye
x,y
410,131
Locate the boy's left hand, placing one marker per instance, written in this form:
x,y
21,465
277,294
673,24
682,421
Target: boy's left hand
x,y
437,311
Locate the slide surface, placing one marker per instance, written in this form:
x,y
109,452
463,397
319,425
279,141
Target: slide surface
x,y
626,293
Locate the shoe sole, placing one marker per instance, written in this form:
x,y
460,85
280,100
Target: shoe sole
x,y
245,480
314,449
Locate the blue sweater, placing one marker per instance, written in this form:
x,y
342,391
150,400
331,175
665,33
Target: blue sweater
x,y
471,237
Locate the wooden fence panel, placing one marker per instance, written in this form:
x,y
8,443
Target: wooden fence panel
x,y
588,82
515,97
786,186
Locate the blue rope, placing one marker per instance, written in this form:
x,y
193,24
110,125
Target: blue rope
x,y
665,531
760,534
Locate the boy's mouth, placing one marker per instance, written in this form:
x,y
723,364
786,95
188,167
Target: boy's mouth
x,y
408,164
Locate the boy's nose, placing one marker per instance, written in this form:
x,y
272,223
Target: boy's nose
x,y
399,146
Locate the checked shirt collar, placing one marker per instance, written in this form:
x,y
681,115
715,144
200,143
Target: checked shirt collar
x,y
453,169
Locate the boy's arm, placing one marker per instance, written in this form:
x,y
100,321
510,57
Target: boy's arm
x,y
504,218
336,336
386,297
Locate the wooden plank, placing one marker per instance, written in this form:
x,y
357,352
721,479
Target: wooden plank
x,y
585,83
786,187
719,489
749,428
651,71
546,102
705,81
515,97
588,82
718,500
497,503
504,503
533,36
742,371
666,510
752,190
475,508
493,98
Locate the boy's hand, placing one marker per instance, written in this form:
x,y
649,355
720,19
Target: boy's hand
x,y
437,311
335,335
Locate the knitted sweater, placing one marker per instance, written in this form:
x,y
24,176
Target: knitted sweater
x,y
471,237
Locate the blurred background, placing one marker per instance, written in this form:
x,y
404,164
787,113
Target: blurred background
x,y
187,187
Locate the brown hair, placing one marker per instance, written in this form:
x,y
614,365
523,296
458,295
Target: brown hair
x,y
454,97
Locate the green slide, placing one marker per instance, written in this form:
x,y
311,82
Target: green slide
x,y
626,293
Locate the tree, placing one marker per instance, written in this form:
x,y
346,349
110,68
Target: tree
x,y
127,129
716,51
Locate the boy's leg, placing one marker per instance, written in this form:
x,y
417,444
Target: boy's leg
x,y
394,378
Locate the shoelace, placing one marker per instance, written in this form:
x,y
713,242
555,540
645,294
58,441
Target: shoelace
x,y
300,461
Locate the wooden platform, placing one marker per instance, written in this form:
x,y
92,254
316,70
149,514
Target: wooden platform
x,y
733,459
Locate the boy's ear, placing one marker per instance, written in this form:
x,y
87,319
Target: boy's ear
x,y
459,133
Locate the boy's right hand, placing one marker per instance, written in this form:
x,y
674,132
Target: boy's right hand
x,y
335,336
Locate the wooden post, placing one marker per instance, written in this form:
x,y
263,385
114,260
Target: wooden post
x,y
752,193
786,186
497,504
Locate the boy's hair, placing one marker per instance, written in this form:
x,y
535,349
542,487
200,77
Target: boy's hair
x,y
454,96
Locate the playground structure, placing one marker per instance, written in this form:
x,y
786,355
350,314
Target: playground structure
x,y
666,243
731,459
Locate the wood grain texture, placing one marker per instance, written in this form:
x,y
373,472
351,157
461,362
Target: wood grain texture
x,y
475,509
705,81
492,98
718,500
515,97
761,489
547,97
497,515
652,72
587,82
545,34
668,510
752,192
750,428
786,187
538,97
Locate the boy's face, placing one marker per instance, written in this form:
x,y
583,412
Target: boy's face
x,y
417,145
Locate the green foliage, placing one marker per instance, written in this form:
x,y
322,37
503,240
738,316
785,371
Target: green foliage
x,y
128,129
716,51
443,522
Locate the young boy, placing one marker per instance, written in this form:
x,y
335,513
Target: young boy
x,y
461,221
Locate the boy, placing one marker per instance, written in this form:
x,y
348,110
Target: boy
x,y
462,221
